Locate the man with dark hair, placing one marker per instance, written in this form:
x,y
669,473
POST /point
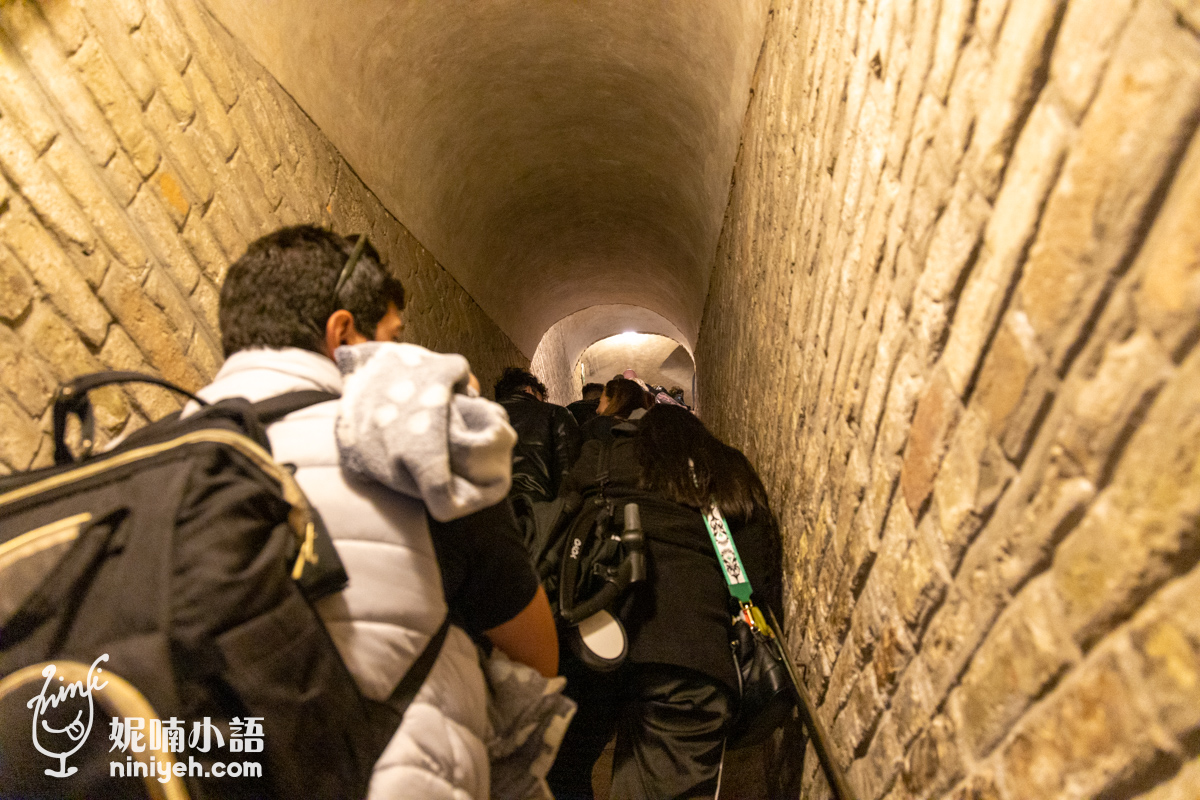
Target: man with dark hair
x,y
585,409
547,435
286,306
515,380
285,289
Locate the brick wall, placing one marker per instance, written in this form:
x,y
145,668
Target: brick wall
x,y
554,368
953,319
141,150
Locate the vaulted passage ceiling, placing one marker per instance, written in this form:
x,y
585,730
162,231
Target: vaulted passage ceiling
x,y
554,155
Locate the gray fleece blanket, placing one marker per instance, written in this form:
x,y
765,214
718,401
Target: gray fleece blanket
x,y
529,716
409,420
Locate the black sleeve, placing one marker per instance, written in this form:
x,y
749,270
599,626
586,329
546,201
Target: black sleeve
x,y
590,430
583,472
566,446
486,573
758,545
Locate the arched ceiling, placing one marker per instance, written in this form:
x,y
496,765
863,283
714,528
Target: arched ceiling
x,y
552,154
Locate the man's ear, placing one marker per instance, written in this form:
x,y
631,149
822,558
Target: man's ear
x,y
340,330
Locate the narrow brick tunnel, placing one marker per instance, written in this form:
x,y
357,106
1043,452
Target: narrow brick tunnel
x,y
935,264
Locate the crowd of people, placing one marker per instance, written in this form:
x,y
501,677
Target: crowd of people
x,y
670,702
421,512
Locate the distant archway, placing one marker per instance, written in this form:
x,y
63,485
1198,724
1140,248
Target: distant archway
x,y
658,360
558,356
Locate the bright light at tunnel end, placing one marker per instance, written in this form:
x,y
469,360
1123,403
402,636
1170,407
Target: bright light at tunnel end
x,y
626,337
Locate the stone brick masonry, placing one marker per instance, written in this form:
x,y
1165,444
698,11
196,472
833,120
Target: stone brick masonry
x,y
553,367
953,320
141,149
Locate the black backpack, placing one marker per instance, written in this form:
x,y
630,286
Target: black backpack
x,y
587,550
172,577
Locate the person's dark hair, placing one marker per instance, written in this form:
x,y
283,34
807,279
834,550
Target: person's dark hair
x,y
280,293
625,397
515,380
593,389
668,438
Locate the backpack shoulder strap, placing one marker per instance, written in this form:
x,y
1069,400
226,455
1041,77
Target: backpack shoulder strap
x,y
276,408
405,691
384,716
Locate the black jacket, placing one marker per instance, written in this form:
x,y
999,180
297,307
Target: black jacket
x,y
584,410
598,427
681,614
547,445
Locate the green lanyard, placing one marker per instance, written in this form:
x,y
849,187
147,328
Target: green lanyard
x,y
731,563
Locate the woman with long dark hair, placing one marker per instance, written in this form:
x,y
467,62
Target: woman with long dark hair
x,y
671,702
621,399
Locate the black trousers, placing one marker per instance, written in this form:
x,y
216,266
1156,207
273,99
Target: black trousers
x,y
670,726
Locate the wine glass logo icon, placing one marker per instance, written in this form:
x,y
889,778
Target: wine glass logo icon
x,y
69,694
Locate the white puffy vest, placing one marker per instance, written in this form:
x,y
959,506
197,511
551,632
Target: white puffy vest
x,y
394,604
